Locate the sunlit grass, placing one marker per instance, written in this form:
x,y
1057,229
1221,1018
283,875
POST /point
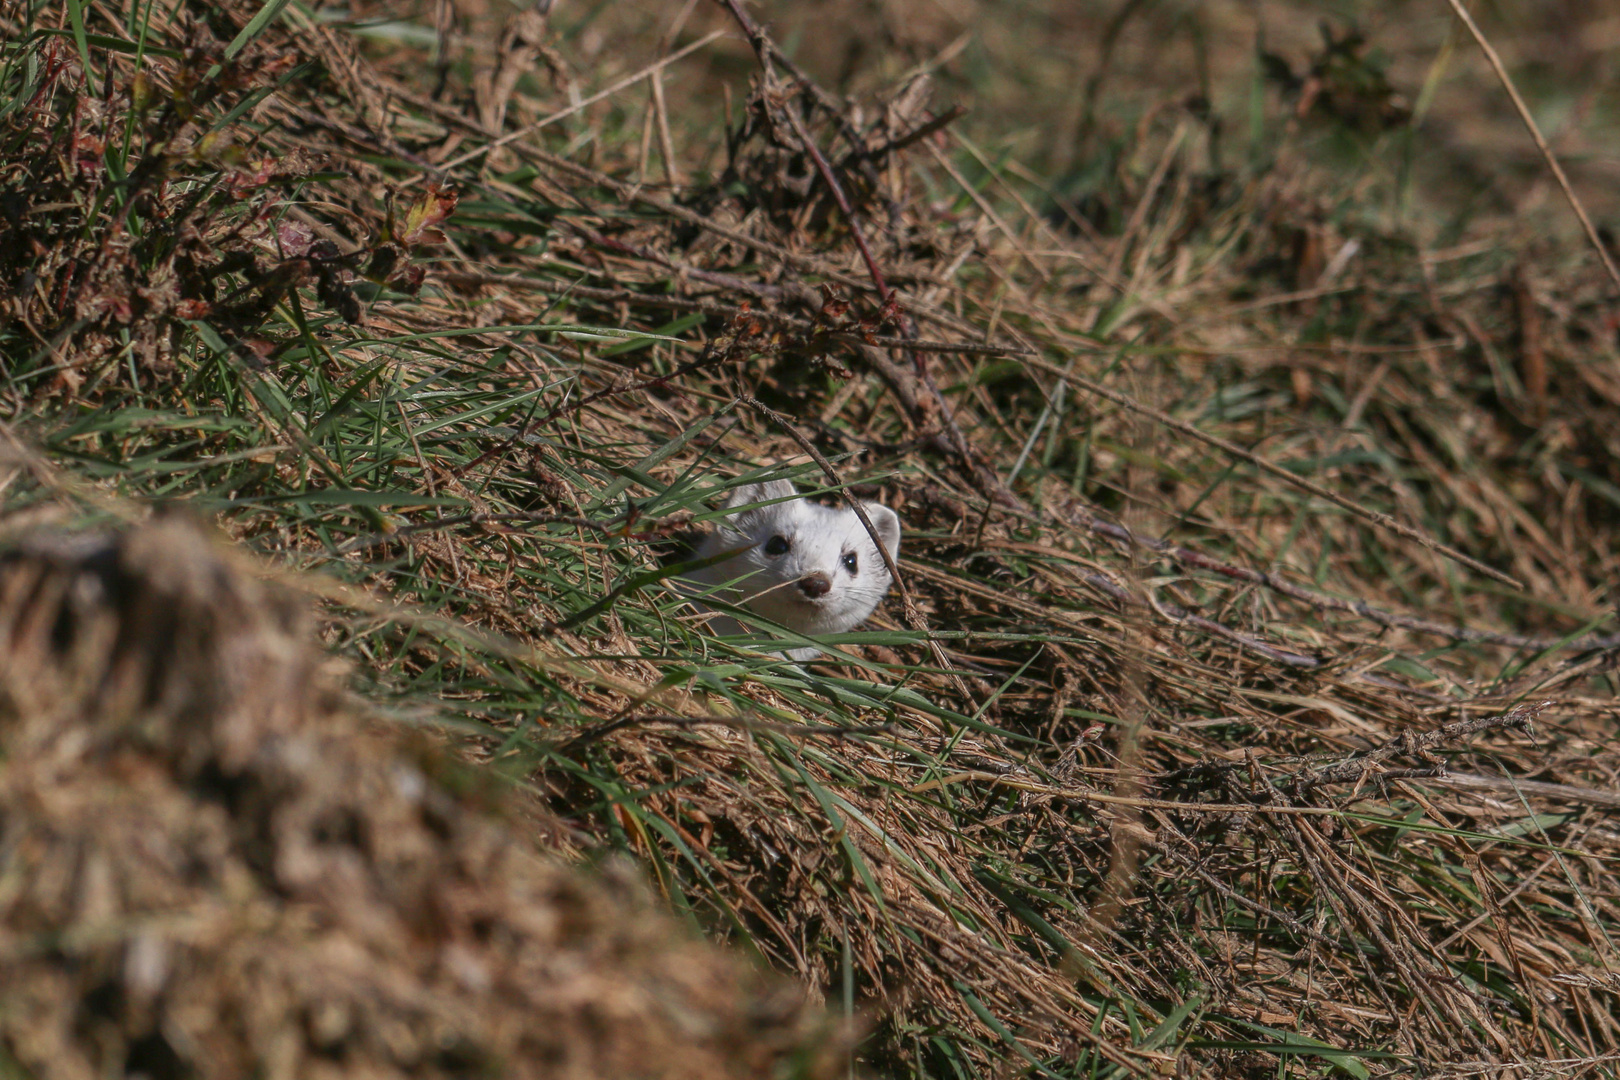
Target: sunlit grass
x,y
487,487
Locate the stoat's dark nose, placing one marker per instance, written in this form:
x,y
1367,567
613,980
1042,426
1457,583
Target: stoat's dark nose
x,y
816,585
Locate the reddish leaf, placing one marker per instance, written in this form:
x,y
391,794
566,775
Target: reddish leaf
x,y
833,306
256,351
115,305
87,152
295,238
429,209
832,364
242,181
409,280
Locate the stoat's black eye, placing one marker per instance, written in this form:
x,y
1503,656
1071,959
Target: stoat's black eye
x,y
778,545
851,563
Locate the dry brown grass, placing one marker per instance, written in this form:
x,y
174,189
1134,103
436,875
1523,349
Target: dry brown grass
x,y
220,868
1167,763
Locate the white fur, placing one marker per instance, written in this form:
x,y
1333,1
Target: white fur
x,y
779,585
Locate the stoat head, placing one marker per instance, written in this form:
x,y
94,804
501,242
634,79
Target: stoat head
x,y
805,566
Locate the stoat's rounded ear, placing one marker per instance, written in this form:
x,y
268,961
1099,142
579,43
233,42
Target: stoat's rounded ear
x,y
887,524
753,493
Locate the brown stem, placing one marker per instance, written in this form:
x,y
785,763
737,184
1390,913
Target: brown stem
x,y
837,190
1359,765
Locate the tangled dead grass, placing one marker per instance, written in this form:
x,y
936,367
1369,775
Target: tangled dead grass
x,y
1160,759
219,868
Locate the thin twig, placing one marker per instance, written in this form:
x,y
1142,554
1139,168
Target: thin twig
x,y
918,133
1357,766
709,357
681,303
545,121
850,216
1541,143
1139,802
1083,518
666,143
990,212
597,732
1375,517
1538,789
1179,616
615,530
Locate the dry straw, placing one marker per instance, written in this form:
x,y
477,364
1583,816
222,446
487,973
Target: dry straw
x,y
1194,741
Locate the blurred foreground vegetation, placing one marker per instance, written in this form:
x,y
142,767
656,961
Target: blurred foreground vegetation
x,y
1245,389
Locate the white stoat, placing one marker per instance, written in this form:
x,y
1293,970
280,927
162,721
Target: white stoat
x,y
805,566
